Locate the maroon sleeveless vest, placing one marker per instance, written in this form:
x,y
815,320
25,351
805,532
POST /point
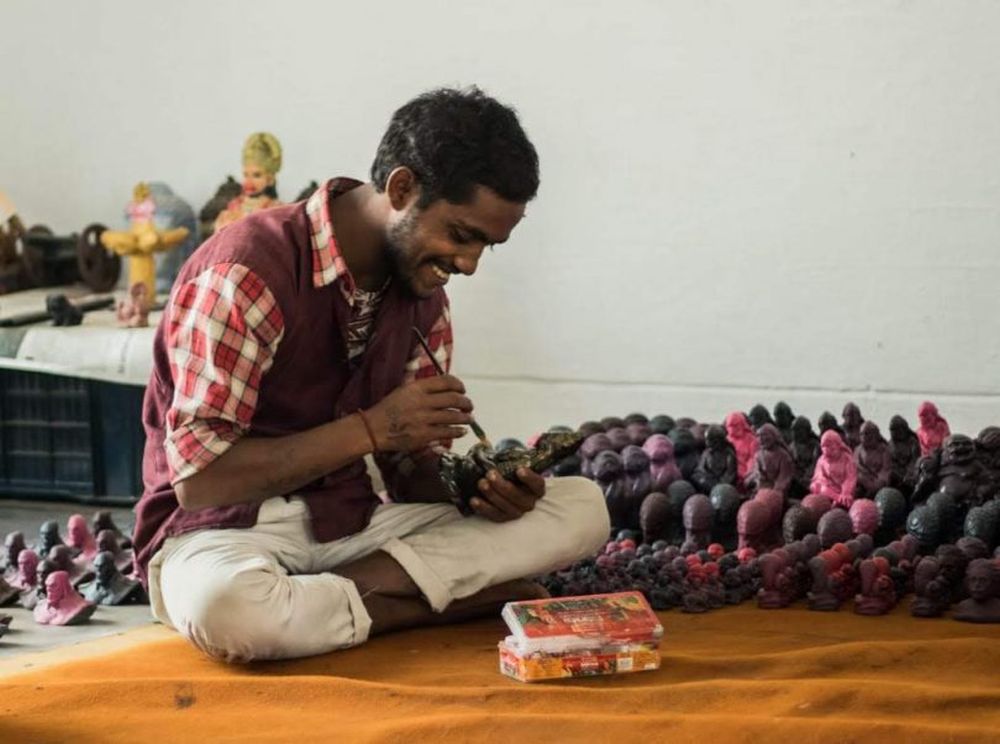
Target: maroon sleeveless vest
x,y
309,384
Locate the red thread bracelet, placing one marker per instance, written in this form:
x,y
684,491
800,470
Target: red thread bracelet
x,y
368,428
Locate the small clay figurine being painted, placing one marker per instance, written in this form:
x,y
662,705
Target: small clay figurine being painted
x,y
783,419
261,163
662,466
874,461
774,466
110,587
744,442
79,538
717,463
836,474
62,605
933,428
983,605
851,424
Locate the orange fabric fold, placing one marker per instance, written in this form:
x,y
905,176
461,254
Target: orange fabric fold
x,y
735,675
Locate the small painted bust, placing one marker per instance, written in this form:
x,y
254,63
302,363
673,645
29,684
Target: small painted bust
x,y
62,605
904,447
110,587
48,537
13,544
933,428
774,465
717,463
103,521
933,594
261,163
983,605
851,424
874,461
27,570
744,442
79,538
609,473
836,474
108,542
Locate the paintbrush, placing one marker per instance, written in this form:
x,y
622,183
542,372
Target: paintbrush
x,y
476,428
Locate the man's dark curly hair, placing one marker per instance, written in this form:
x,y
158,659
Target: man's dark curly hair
x,y
453,140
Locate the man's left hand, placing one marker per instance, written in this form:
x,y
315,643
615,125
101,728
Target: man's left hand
x,y
501,500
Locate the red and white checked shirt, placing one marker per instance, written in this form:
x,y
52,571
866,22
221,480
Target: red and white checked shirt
x,y
223,329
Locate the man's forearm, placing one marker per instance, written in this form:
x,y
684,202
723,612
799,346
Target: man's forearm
x,y
257,468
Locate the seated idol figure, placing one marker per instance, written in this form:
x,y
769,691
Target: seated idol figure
x,y
836,474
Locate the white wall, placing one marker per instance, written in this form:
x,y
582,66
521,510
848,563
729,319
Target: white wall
x,y
741,201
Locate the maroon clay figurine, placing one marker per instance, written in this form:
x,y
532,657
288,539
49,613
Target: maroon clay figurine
x,y
62,605
956,471
662,466
592,446
697,516
61,556
783,419
777,577
619,438
798,522
654,517
878,591
686,451
805,452
609,474
26,578
983,605
13,544
874,461
933,428
638,433
744,442
774,466
108,542
834,527
638,481
836,473
864,517
103,521
717,463
933,594
905,451
851,425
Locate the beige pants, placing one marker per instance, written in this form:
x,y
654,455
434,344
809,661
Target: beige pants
x,y
271,591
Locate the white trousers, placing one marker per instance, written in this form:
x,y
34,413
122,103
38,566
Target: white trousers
x,y
272,592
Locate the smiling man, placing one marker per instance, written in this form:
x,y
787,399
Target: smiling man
x,y
286,355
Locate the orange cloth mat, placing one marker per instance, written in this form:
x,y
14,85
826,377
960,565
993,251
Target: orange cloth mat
x,y
734,675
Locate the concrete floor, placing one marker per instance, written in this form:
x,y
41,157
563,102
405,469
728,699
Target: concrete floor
x,y
25,635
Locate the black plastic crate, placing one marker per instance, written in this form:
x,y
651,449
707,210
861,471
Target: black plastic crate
x,y
68,437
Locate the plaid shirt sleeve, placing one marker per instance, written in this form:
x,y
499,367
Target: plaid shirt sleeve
x,y
222,331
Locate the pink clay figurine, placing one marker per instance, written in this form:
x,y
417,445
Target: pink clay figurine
x,y
744,441
836,474
933,428
78,537
62,605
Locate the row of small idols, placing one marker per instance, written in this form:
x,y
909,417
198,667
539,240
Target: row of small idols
x,y
826,574
63,581
633,456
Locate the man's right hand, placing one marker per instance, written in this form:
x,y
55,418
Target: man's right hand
x,y
420,412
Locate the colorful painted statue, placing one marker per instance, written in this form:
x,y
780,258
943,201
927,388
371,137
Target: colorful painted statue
x,y
662,466
874,461
933,428
774,466
145,236
836,474
744,442
851,424
717,463
261,163
62,605
904,447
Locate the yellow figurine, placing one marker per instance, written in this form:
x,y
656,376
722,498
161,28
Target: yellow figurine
x,y
142,239
261,163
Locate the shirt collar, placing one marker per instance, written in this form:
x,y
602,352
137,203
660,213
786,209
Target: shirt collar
x,y
327,261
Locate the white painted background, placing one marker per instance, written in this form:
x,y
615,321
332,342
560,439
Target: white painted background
x,y
741,201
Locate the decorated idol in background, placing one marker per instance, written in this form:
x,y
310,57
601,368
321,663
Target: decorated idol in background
x,y
261,163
